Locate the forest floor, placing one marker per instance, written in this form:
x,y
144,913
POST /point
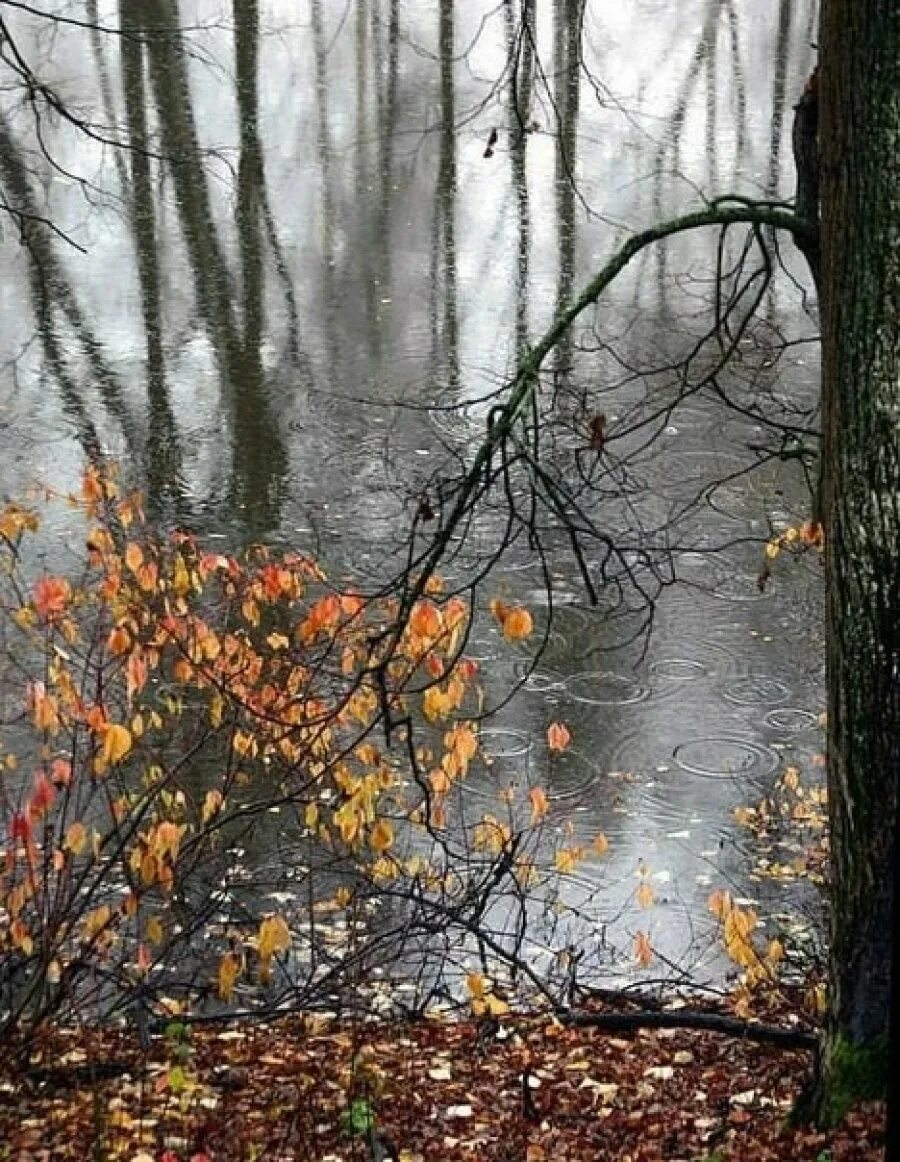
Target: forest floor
x,y
521,1089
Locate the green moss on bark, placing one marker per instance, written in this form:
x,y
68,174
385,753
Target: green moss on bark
x,y
853,1073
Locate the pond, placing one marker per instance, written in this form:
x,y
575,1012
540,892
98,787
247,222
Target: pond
x,y
290,306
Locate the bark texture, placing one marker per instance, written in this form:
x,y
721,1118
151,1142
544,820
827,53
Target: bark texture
x,y
859,150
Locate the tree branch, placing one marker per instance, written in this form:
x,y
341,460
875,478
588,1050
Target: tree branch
x,y
503,418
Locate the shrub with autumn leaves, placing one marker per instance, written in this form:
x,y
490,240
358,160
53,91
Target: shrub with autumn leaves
x,y
195,791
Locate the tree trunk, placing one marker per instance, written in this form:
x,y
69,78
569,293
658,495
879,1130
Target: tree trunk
x,y
859,137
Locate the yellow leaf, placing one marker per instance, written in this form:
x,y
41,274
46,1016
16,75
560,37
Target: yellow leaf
x,y
382,836
181,578
212,805
154,930
274,936
76,838
775,951
719,903
645,895
601,843
495,1006
476,984
116,744
96,921
567,858
229,971
216,710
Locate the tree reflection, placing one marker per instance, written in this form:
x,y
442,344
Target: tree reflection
x,y
163,457
445,327
567,28
54,303
259,459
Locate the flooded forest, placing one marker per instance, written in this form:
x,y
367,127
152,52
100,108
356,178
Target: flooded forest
x,y
283,262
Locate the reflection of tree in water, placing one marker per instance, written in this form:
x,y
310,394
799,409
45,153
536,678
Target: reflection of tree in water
x,y
54,302
445,324
163,457
229,270
567,29
326,182
520,85
704,63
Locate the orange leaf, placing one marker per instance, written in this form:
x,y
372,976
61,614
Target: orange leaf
x,y
558,736
134,557
425,620
540,804
229,970
643,950
51,596
517,624
382,836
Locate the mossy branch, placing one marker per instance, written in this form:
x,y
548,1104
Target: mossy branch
x,y
722,212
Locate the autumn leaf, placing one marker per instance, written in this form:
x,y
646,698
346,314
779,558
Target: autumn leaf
x,y
540,804
476,985
382,836
643,950
568,858
119,640
425,620
517,624
116,744
645,895
134,557
41,797
558,737
212,804
51,596
719,903
600,844
229,971
274,936
76,838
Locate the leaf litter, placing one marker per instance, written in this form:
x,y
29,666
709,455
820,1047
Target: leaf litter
x,y
309,1087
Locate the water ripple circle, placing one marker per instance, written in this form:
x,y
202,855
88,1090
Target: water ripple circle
x,y
678,669
500,743
537,681
603,688
720,757
790,720
756,690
